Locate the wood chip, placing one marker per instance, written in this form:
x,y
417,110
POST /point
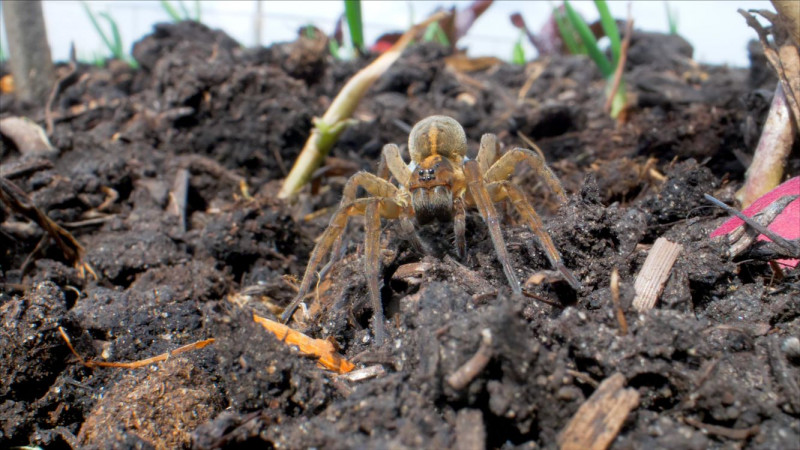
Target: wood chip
x,y
600,418
654,273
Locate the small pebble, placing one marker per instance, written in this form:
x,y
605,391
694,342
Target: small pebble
x,y
791,348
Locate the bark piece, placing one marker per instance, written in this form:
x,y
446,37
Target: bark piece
x,y
600,418
654,273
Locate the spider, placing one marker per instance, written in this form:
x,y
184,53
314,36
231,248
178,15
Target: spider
x,y
438,185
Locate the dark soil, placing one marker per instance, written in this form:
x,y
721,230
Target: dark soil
x,y
716,349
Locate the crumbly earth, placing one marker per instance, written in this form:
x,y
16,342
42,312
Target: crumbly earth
x,y
713,363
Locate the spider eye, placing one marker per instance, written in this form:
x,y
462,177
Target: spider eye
x,y
421,172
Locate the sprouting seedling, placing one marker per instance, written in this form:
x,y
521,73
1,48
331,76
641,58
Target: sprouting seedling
x,y
518,52
352,13
435,33
568,33
184,14
113,43
605,66
672,18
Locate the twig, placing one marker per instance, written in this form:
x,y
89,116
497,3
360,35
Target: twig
x,y
788,245
466,373
134,364
320,348
585,377
623,57
730,433
600,418
654,273
623,323
19,202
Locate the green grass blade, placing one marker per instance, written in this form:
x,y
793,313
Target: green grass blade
x,y
434,32
352,11
672,18
589,41
97,27
197,10
566,33
610,28
117,39
184,10
518,53
173,13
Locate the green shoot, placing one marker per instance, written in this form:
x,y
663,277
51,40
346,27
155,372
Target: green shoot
x,y
606,67
113,43
589,41
352,12
610,28
184,14
333,47
171,11
309,32
672,18
518,53
567,33
434,32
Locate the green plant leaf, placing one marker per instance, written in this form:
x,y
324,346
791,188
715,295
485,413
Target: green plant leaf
x,y
197,10
352,11
566,32
672,18
184,10
518,54
97,27
589,41
610,28
117,39
173,13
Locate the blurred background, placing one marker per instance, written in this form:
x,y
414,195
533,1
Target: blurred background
x,y
717,32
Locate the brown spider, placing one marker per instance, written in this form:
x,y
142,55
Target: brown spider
x,y
438,184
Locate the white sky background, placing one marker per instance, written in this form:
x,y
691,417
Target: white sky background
x,y
717,32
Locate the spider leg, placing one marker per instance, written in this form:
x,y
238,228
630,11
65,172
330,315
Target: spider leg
x,y
487,153
374,185
329,236
372,265
534,222
503,167
483,201
459,227
398,167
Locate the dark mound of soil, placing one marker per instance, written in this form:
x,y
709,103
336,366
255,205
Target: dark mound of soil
x,y
714,364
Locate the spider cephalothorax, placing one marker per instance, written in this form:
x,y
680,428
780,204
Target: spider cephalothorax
x,y
438,185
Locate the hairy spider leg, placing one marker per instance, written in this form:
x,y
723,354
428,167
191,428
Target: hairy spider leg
x,y
388,208
375,186
480,196
500,190
504,167
372,266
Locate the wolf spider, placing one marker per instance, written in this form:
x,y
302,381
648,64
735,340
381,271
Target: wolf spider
x,y
438,185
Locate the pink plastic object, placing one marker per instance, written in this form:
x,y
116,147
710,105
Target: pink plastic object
x,y
787,224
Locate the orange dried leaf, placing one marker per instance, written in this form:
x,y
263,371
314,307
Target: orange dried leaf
x,y
321,348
